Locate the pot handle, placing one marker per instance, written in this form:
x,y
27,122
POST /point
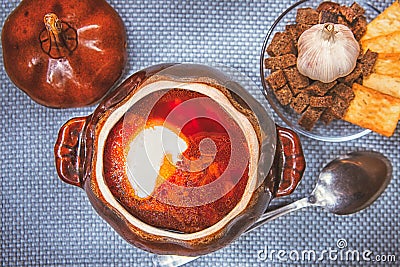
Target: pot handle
x,y
290,162
66,151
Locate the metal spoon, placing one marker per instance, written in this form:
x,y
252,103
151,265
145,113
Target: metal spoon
x,y
346,185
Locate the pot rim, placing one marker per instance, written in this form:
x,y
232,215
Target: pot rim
x,y
77,145
109,122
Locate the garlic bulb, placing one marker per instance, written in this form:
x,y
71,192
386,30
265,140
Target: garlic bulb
x,y
327,51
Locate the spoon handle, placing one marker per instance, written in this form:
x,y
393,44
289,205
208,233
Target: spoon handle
x,y
273,214
173,260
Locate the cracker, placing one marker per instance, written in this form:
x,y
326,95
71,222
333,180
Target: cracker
x,y
388,64
373,110
385,23
383,83
389,43
391,56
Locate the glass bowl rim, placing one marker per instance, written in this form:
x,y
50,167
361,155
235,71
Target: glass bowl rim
x,y
271,101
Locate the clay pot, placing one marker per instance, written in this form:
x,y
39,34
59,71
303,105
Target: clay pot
x,y
184,213
64,53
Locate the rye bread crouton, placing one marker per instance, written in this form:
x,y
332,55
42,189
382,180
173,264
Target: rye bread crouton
x,y
327,116
281,44
368,61
354,75
318,88
307,15
348,13
359,27
284,95
343,91
321,101
295,30
359,10
310,117
280,62
296,80
340,107
300,102
276,80
328,6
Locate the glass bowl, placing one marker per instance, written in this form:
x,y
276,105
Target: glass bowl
x,y
337,130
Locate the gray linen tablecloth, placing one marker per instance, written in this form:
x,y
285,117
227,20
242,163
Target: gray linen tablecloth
x,y
45,222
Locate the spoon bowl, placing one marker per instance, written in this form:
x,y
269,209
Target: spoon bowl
x,y
351,183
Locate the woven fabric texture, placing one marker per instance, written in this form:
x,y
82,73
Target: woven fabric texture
x,y
45,222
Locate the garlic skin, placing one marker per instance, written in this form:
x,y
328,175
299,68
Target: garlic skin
x,y
327,52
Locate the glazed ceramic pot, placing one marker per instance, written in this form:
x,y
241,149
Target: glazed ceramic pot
x,y
180,158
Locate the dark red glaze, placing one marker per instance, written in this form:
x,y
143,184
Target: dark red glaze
x,y
71,61
66,151
291,163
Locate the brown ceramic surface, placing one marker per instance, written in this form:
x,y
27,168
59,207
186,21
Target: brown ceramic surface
x,y
71,64
77,159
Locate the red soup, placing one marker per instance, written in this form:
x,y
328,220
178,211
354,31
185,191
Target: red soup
x,y
177,160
